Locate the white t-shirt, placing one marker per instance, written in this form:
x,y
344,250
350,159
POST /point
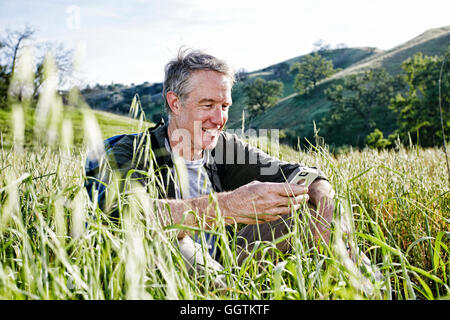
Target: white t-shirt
x,y
191,175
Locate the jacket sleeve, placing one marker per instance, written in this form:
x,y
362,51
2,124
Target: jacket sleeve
x,y
139,159
119,160
124,159
240,163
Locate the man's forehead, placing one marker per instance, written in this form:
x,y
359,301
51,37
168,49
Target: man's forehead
x,y
213,96
210,85
210,76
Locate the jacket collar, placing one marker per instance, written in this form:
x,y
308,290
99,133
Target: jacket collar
x,y
159,135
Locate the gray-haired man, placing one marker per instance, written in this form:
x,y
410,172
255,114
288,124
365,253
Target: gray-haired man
x,y
197,92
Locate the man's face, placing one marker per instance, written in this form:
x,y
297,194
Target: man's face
x,y
204,112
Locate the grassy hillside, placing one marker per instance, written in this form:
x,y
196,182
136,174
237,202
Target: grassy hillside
x,y
341,58
110,124
116,98
431,42
293,114
296,114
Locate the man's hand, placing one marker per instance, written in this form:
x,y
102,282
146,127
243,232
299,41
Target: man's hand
x,y
321,207
259,202
255,202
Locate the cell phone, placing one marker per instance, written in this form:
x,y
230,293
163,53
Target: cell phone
x,y
306,174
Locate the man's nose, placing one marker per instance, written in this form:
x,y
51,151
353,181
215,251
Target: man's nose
x,y
218,116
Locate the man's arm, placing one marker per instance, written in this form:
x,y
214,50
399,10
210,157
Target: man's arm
x,y
255,202
240,163
239,172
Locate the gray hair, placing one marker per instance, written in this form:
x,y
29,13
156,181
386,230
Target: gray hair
x,y
179,70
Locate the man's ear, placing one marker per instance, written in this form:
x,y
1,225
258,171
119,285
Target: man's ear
x,y
174,102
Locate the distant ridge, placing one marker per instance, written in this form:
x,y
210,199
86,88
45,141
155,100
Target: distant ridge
x,y
391,59
295,114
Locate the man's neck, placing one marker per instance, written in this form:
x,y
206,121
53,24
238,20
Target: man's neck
x,y
182,145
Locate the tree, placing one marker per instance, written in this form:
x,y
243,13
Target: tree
x,y
310,71
262,95
14,43
281,71
321,46
241,75
360,105
376,140
10,48
63,60
341,45
418,109
4,83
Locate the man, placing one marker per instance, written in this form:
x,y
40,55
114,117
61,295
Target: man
x,y
195,158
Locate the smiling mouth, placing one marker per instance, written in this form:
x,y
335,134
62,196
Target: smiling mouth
x,y
212,132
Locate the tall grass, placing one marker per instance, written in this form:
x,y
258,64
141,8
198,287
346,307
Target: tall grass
x,y
57,244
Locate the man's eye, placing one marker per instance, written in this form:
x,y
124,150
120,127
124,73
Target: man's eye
x,y
225,107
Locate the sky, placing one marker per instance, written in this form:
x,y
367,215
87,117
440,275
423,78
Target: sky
x,y
131,41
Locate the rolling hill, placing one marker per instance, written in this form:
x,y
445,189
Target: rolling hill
x,y
294,114
431,42
109,123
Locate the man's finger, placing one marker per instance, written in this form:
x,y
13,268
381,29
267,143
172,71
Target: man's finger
x,y
260,218
280,210
301,199
289,189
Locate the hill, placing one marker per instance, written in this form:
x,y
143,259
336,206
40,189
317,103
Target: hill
x,y
116,98
295,114
431,42
341,58
110,124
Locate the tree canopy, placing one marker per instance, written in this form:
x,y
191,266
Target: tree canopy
x,y
418,110
15,46
262,94
362,100
310,71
